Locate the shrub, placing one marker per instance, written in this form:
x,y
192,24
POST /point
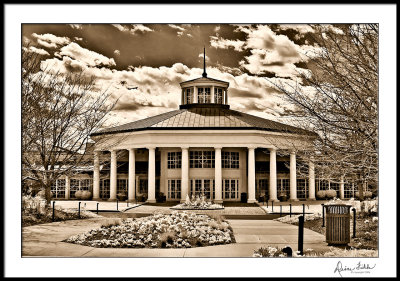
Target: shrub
x,y
86,195
269,251
78,194
367,194
167,237
321,194
330,194
122,196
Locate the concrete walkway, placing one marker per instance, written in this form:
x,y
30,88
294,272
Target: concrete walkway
x,y
45,240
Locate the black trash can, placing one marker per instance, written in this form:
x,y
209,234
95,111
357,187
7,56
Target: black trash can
x,y
243,197
337,224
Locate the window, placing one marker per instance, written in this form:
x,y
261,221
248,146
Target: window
x,y
218,95
174,189
188,95
204,95
302,190
174,160
283,186
122,186
74,187
322,184
204,187
58,189
262,187
349,190
335,186
143,183
230,160
230,189
202,159
105,189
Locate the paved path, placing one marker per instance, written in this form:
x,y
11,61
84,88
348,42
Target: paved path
x,y
150,209
45,240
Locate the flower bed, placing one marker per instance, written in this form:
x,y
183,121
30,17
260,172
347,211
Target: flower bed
x,y
35,211
176,230
197,203
271,252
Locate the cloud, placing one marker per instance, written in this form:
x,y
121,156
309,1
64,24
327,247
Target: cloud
x,y
201,55
301,28
158,89
133,28
176,27
32,49
78,38
90,58
51,41
221,43
76,26
117,52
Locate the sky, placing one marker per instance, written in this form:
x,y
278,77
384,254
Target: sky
x,y
155,58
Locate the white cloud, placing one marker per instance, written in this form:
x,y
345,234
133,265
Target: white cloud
x,y
78,38
133,29
74,51
51,41
159,91
201,55
176,27
269,52
38,51
301,28
221,43
76,26
117,52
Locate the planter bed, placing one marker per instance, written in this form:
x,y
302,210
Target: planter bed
x,y
176,230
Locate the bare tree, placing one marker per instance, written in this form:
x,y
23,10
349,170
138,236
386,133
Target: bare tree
x,y
338,100
59,112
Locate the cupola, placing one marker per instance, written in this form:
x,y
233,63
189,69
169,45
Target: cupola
x,y
204,91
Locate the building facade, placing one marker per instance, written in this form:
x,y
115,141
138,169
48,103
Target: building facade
x,y
204,147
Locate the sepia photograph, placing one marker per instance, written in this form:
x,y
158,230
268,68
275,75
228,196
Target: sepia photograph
x,y
201,142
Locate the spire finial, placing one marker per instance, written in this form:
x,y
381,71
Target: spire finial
x,y
204,62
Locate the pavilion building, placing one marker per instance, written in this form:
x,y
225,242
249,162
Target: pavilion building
x,y
204,147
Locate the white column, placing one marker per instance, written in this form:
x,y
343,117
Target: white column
x,y
218,175
293,185
131,175
96,176
311,181
113,176
67,187
151,193
185,173
251,177
341,190
212,94
195,95
272,176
